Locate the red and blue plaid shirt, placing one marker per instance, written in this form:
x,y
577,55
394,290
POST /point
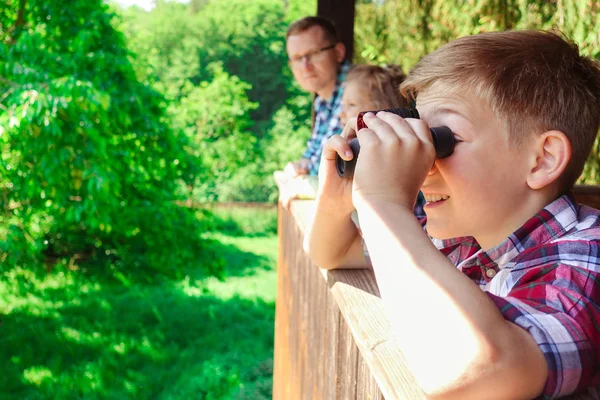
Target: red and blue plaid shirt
x,y
545,278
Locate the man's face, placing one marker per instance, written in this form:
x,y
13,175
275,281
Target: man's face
x,y
479,190
314,69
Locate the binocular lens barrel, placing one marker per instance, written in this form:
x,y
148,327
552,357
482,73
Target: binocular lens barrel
x,y
443,141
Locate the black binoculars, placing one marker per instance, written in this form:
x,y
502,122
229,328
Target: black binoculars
x,y
443,140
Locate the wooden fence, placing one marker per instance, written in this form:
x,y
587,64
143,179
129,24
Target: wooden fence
x,y
332,338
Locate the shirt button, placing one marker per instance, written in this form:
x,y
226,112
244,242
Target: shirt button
x,y
490,273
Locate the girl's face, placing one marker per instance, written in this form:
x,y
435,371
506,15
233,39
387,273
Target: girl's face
x,y
354,100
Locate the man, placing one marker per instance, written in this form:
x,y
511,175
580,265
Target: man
x,y
316,57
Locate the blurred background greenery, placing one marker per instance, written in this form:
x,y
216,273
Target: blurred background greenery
x,y
113,122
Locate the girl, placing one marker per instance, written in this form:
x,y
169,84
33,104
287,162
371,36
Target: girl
x,y
370,87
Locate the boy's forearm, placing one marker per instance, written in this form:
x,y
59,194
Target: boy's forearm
x,y
452,335
333,240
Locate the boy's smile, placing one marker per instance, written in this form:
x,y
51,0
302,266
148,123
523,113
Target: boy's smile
x,y
481,188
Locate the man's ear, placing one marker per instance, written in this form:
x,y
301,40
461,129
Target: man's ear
x,y
340,52
552,155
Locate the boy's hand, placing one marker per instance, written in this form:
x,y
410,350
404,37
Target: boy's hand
x,y
332,188
295,169
396,155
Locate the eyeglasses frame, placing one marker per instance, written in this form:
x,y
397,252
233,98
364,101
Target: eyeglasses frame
x,y
308,56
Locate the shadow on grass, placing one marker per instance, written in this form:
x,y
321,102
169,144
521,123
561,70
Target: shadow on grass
x,y
102,341
237,262
99,333
249,222
72,335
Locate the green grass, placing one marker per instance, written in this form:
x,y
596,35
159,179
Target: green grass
x,y
76,335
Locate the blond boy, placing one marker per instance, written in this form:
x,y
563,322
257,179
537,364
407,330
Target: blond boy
x,y
503,303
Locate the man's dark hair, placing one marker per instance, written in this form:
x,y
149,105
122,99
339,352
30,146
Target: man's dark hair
x,y
308,22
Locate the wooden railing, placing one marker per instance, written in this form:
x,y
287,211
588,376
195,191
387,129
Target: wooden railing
x,y
333,340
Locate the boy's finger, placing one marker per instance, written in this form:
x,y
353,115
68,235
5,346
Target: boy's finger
x,y
380,127
349,131
337,145
401,127
421,129
368,136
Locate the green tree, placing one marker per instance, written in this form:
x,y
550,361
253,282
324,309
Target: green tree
x,y
90,164
216,117
179,47
402,32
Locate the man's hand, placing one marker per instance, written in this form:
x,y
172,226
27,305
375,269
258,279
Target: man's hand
x,y
287,193
297,168
396,155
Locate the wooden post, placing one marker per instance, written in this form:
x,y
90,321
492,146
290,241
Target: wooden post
x,y
316,356
341,12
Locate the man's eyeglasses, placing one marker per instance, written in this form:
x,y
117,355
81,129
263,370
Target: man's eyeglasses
x,y
312,57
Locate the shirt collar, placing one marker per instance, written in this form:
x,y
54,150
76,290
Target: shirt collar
x,y
341,77
552,222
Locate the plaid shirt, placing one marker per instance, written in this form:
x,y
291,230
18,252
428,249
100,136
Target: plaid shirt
x,y
327,121
545,278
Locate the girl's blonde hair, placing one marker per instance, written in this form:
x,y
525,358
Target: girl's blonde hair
x,y
382,84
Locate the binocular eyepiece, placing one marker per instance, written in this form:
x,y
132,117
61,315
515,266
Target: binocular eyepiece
x,y
443,140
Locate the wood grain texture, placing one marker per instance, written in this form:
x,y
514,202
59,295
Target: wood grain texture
x,y
588,195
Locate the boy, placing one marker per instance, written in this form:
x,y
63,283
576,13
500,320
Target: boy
x,y
503,303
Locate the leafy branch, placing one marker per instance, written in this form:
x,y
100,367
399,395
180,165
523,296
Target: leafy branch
x,y
15,30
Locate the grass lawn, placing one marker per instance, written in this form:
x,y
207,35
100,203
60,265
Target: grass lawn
x,y
76,335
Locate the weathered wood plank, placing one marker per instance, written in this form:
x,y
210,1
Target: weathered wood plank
x,y
316,356
342,14
588,195
356,293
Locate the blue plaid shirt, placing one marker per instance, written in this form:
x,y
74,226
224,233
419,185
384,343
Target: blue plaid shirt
x,y
327,121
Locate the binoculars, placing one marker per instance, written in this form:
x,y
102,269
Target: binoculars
x,y
443,140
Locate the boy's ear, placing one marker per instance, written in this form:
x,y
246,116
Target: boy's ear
x,y
552,155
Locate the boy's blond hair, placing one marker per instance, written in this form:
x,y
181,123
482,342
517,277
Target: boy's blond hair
x,y
534,81
382,84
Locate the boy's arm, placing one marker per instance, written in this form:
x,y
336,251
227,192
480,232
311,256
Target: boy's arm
x,y
333,241
455,340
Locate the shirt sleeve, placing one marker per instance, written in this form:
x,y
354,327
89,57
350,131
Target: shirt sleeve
x,y
311,146
558,305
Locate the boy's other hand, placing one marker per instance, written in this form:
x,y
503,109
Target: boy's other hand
x,y
332,188
297,168
395,157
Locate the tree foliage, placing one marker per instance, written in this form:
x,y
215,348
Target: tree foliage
x,y
90,163
224,67
394,31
